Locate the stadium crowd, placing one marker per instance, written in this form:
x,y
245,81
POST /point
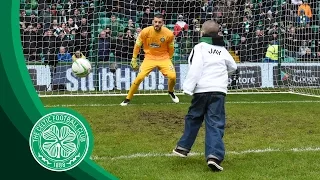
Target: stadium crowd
x,y
105,30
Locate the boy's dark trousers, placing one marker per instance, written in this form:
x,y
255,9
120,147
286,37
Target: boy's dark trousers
x,y
209,107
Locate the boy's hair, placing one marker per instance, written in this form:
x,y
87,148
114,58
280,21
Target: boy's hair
x,y
210,28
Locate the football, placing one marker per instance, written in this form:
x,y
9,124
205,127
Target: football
x,y
81,67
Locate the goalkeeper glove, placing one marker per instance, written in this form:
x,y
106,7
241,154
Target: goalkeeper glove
x,y
134,64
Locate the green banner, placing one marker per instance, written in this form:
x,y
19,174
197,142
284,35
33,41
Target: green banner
x,y
38,142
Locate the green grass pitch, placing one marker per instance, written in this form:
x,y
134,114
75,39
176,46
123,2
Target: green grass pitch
x,y
272,136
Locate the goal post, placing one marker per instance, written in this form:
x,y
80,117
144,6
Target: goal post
x,y
275,43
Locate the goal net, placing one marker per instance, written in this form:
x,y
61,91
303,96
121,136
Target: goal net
x,y
275,43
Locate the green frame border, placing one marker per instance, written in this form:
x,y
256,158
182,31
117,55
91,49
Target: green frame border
x,y
21,108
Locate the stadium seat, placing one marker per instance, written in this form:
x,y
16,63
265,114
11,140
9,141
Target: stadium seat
x,y
139,16
59,7
28,12
315,28
34,4
111,57
104,22
102,14
99,30
170,26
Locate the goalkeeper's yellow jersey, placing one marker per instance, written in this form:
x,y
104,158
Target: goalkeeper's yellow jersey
x,y
156,45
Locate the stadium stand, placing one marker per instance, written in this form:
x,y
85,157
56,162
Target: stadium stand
x,y
105,30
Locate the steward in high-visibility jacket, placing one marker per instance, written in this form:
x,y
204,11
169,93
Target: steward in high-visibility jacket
x,y
272,54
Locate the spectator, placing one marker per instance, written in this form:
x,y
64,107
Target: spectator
x,y
29,40
269,22
34,56
235,39
70,6
48,47
45,17
103,47
303,49
71,25
306,8
291,40
136,33
242,49
260,12
63,28
62,40
195,31
53,10
259,44
275,29
90,14
62,16
180,28
77,55
39,31
64,56
246,25
120,48
32,20
83,25
130,26
76,16
22,18
272,54
115,27
303,20
82,42
206,10
131,9
129,41
146,19
108,32
55,27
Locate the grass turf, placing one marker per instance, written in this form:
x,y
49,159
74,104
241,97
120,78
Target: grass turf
x,y
152,124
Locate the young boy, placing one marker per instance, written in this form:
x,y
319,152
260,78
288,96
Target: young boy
x,y
207,81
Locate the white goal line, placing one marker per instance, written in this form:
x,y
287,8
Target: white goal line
x,y
152,104
151,94
149,155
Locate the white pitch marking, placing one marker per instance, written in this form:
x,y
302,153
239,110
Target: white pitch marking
x,y
147,104
147,155
148,94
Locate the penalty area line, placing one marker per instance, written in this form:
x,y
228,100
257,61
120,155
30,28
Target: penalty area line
x,y
149,155
147,104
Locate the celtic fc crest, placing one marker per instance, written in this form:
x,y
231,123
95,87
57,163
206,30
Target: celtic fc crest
x,y
59,141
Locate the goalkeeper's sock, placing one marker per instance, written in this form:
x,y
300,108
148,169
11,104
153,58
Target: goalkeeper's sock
x,y
171,84
134,87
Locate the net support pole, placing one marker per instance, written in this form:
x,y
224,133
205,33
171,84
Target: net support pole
x,y
95,44
279,9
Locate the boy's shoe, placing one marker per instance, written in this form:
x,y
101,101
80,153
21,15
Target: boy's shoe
x,y
125,102
174,98
180,152
214,164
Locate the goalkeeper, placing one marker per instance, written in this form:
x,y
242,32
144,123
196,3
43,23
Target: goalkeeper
x,y
158,45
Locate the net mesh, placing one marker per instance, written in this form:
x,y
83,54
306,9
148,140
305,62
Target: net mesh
x,y
275,43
